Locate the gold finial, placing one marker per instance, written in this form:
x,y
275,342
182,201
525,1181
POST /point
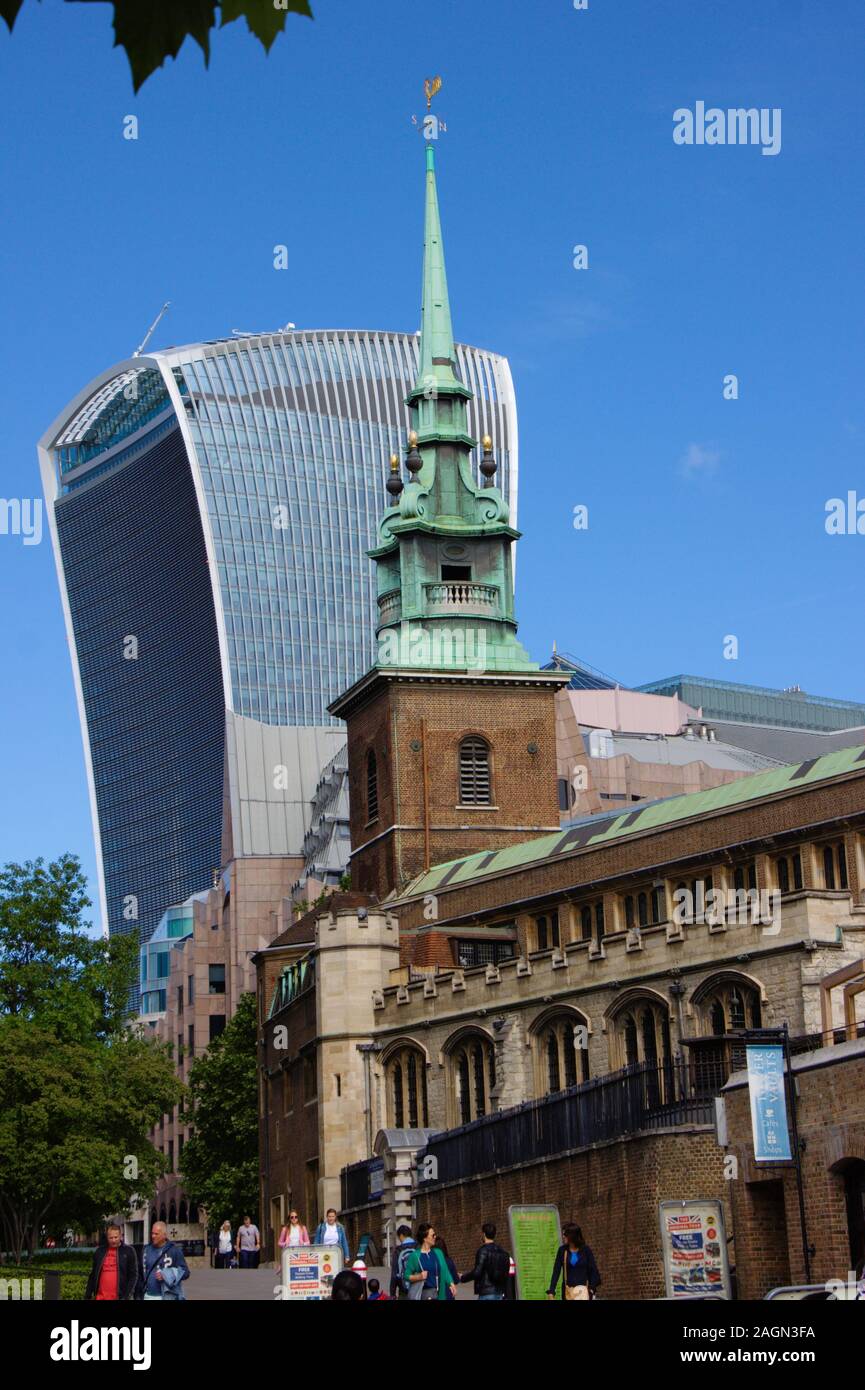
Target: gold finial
x,y
487,442
431,86
394,463
412,438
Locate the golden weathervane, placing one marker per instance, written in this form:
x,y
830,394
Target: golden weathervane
x,y
431,86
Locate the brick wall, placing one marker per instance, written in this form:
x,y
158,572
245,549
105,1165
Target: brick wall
x,y
611,1190
831,1115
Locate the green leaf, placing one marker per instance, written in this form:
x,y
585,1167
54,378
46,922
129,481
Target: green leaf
x,y
263,18
152,30
9,10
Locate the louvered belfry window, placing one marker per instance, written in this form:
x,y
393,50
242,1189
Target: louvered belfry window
x,y
371,786
474,773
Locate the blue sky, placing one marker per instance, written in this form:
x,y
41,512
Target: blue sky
x,y
706,516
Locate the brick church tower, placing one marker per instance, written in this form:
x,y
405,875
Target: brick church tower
x,y
451,734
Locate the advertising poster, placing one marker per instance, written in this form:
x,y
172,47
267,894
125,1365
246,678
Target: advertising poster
x,y
308,1271
768,1103
694,1245
536,1235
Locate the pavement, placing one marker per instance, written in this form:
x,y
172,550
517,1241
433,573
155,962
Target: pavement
x,y
257,1285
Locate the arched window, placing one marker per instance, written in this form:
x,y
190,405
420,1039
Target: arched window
x,y
475,787
724,1007
642,1034
471,1077
182,1215
371,786
172,1214
563,1057
405,1073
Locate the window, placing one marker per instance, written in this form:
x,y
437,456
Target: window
x,y
646,908
547,931
475,772
216,979
745,877
217,1025
643,1034
171,1155
835,865
475,952
472,1075
563,1058
310,1077
407,1089
371,786
180,999
789,872
724,1007
191,1039
592,916
566,794
457,573
190,989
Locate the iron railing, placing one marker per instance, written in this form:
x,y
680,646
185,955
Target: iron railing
x,y
643,1097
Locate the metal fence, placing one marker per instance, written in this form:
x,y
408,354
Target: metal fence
x,y
643,1097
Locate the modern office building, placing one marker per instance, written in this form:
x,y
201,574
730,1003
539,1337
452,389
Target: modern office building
x,y
210,509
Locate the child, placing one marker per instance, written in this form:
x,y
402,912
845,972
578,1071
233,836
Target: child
x,y
374,1293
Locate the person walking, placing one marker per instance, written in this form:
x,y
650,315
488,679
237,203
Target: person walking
x,y
163,1268
491,1268
114,1270
398,1282
248,1244
575,1265
224,1246
426,1269
293,1232
330,1231
453,1277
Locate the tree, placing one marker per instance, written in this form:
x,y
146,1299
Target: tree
x,y
79,1089
220,1160
74,1118
152,30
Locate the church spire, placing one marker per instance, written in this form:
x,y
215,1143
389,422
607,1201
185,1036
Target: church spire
x,y
436,365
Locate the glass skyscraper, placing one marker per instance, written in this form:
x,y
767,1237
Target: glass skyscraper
x,y
210,509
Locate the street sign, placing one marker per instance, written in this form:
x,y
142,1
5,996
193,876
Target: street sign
x,y
536,1235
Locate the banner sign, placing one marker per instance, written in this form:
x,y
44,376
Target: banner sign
x,y
768,1103
536,1235
308,1271
694,1246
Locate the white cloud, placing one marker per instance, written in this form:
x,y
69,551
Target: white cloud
x,y
699,460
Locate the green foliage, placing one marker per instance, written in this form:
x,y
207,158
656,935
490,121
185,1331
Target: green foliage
x,y
78,1089
152,30
220,1161
51,972
72,1115
72,1282
345,883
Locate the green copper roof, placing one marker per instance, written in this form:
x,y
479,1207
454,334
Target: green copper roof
x,y
437,336
601,829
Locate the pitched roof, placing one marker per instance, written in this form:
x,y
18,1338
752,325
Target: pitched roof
x,y
590,832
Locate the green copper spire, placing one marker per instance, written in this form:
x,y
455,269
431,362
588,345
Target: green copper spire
x,y
444,568
436,365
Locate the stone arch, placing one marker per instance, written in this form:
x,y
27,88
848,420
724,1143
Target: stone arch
x,y
559,1058
469,1057
404,1064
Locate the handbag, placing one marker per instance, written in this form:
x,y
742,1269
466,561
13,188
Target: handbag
x,y
576,1293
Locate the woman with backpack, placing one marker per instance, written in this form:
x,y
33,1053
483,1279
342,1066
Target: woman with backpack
x,y
575,1265
426,1270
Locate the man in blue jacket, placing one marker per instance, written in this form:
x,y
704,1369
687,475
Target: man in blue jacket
x,y
332,1232
163,1268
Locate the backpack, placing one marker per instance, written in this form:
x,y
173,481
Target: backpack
x,y
499,1265
402,1259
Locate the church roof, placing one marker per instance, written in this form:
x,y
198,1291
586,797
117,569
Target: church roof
x,y
591,832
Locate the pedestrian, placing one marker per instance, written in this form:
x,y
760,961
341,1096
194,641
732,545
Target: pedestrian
x,y
163,1268
491,1268
248,1244
330,1231
114,1271
398,1282
224,1246
293,1232
426,1271
574,1261
348,1287
375,1293
452,1269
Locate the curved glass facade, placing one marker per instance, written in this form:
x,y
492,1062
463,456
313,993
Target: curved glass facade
x,y
216,503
